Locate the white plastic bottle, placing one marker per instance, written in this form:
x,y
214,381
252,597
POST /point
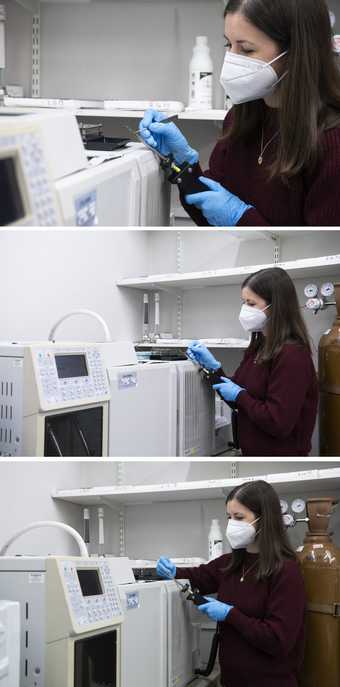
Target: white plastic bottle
x,y
215,540
201,76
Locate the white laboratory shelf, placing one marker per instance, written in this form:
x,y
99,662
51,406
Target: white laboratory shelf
x,y
100,113
307,267
183,343
288,482
207,115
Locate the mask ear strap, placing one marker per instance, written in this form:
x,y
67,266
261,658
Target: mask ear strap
x,y
277,57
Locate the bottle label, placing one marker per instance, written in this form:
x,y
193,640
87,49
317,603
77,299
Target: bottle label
x,y
215,548
201,89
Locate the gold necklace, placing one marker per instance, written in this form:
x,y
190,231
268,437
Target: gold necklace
x,y
264,148
245,572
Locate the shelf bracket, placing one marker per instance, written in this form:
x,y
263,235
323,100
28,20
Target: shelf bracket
x,y
122,531
35,86
179,267
277,249
234,470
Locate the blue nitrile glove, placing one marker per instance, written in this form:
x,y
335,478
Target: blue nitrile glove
x,y
216,610
200,354
166,138
220,207
228,389
166,568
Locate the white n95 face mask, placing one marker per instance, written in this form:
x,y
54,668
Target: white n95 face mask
x,y
246,78
252,319
240,534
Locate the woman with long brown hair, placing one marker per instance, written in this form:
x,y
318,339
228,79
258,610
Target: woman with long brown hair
x,y
260,603
278,162
274,391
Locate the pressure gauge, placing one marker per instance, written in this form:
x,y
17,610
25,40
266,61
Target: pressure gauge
x,y
311,290
314,304
284,506
298,506
288,520
327,289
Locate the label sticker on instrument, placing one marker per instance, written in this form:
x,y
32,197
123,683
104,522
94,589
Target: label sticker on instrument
x,y
86,209
132,600
36,578
127,380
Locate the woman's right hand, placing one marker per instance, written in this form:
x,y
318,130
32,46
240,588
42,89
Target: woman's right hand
x,y
166,568
166,138
200,354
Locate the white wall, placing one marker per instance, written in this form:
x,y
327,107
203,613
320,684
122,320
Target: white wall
x,y
126,49
25,496
18,29
45,274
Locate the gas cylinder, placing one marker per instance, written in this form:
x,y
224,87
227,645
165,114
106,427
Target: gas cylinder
x,y
329,376
320,562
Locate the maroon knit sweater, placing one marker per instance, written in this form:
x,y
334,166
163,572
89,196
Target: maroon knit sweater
x,y
277,410
262,638
309,200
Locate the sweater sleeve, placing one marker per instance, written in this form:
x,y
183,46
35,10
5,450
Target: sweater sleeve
x,y
289,381
205,577
322,206
252,218
276,633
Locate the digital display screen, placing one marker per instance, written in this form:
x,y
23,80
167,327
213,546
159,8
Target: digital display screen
x,y
89,582
71,366
12,206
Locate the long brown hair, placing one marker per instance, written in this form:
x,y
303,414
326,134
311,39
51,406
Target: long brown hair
x,y
310,91
285,323
272,539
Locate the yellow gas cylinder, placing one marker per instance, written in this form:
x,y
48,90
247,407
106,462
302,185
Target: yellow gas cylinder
x,y
320,562
329,376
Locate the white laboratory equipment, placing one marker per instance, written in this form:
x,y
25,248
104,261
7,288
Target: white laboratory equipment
x,y
70,615
32,156
9,643
71,619
195,412
142,409
157,620
46,186
128,190
54,400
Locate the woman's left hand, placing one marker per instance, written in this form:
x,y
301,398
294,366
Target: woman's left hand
x,y
220,207
228,389
216,610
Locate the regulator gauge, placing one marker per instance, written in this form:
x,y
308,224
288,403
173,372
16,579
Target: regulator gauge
x,y
314,304
298,506
311,290
284,506
327,289
288,520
